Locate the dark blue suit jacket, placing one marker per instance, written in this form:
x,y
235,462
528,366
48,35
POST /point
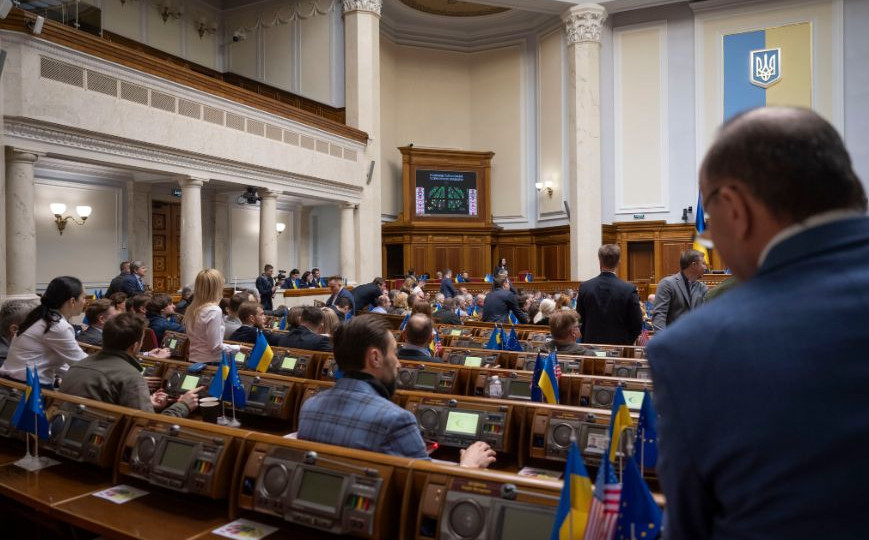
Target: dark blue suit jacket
x,y
609,309
498,306
763,425
130,285
303,338
160,324
447,288
346,294
247,334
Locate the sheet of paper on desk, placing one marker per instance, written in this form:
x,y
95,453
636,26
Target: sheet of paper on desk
x,y
244,529
120,494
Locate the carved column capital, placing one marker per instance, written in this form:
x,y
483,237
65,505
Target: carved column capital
x,y
371,6
190,181
268,194
583,23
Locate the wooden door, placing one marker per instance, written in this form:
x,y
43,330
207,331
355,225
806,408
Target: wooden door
x,y
166,242
641,261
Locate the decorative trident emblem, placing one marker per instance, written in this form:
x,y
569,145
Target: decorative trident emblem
x,y
765,67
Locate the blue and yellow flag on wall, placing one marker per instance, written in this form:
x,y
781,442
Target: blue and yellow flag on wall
x,y
772,66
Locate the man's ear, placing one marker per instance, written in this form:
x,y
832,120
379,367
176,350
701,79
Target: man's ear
x,y
737,210
373,357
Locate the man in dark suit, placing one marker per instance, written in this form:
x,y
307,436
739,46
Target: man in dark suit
x,y
608,307
97,313
266,286
253,320
306,335
682,292
447,313
418,333
115,285
365,295
761,430
447,287
132,283
336,285
501,302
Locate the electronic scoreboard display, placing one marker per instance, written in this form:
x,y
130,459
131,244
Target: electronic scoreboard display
x,y
446,193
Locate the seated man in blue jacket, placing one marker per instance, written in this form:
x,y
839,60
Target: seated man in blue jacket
x,y
357,411
161,315
253,320
307,335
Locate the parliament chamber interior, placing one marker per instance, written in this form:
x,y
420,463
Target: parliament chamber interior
x,y
370,138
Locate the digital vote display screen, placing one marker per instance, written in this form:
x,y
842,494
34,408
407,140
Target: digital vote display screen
x,y
462,423
521,523
520,390
321,490
633,399
426,379
176,456
8,411
473,361
258,394
189,382
445,193
289,363
77,430
239,358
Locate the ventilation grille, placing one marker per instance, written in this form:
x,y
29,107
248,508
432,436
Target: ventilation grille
x,y
61,72
104,84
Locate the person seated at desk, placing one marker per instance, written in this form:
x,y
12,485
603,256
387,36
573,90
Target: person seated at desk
x,y
97,314
357,411
417,337
161,316
342,307
12,315
253,320
564,327
46,339
307,335
447,313
381,305
114,374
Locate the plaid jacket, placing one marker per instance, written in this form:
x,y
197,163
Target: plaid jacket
x,y
354,415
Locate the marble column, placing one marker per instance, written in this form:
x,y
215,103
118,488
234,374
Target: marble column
x,y
268,235
348,244
362,101
139,231
191,228
2,227
221,233
20,224
303,237
583,23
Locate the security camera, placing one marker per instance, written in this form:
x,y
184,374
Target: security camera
x,y
238,35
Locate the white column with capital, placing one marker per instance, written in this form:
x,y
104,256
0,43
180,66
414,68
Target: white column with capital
x,y
191,228
20,224
583,23
362,101
268,235
348,242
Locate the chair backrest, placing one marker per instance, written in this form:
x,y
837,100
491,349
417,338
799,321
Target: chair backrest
x,y
150,342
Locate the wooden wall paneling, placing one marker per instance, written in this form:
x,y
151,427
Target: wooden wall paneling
x,y
475,257
419,259
669,259
166,246
641,260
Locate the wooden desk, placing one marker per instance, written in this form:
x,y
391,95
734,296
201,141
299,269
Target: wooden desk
x,y
286,530
44,489
160,515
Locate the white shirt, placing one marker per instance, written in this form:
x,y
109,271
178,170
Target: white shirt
x,y
50,352
205,336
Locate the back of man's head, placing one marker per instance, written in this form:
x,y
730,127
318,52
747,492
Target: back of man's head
x,y
98,308
352,341
561,322
158,303
499,281
792,161
418,330
378,281
123,331
236,301
343,302
138,303
311,317
246,311
609,255
13,313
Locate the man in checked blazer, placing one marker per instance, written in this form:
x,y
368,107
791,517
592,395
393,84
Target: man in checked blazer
x,y
682,292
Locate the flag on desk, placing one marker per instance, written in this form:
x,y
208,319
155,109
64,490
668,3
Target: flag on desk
x,y
639,515
283,324
620,420
536,394
549,380
528,277
494,342
261,357
513,319
434,345
488,278
99,294
604,511
403,324
513,342
571,515
226,384
29,416
646,445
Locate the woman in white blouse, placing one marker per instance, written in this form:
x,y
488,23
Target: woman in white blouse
x,y
46,340
204,319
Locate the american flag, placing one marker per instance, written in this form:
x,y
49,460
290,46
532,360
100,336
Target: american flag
x,y
557,368
604,512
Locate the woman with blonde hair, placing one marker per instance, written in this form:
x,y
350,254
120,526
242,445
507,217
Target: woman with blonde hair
x,y
400,304
330,321
204,319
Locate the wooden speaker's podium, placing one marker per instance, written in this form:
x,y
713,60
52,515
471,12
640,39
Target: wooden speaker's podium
x,y
446,218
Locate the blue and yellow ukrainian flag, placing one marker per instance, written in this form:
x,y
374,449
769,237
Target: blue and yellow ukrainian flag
x,y
571,516
619,420
699,227
215,389
29,416
788,77
549,382
262,354
488,278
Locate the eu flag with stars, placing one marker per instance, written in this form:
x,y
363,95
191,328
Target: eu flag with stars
x,y
513,342
536,394
646,445
639,515
30,415
283,323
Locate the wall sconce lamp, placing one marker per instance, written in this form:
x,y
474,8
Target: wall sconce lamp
x,y
59,208
280,227
167,11
545,186
204,26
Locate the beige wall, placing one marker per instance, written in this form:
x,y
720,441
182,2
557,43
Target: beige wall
x,y
124,19
278,55
447,99
316,58
89,252
551,122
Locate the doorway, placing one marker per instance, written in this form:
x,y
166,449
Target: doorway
x,y
166,246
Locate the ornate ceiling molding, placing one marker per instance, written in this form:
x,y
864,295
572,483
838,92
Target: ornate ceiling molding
x,y
584,23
